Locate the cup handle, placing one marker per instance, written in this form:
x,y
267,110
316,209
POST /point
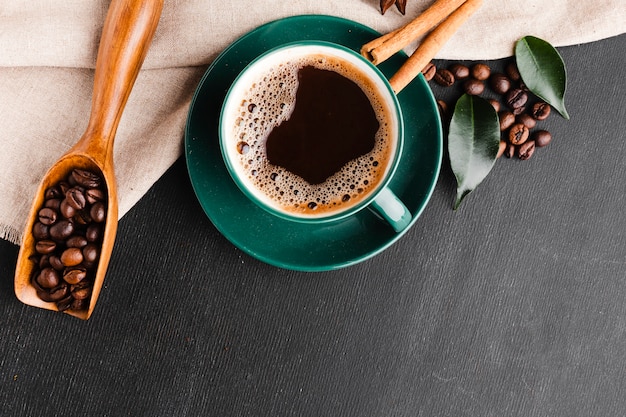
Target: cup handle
x,y
389,206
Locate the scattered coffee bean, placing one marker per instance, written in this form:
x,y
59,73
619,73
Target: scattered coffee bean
x,y
512,72
473,87
429,71
67,239
481,71
499,83
510,151
527,120
459,71
542,138
501,148
443,109
541,110
526,150
516,98
506,120
443,77
495,104
518,134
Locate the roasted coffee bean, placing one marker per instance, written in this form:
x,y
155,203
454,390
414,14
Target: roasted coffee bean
x,y
41,231
66,209
512,72
53,192
506,120
78,304
443,109
93,233
65,303
527,120
48,278
76,241
91,253
45,247
459,71
98,212
541,110
501,148
56,263
510,151
526,150
86,178
516,98
63,187
499,83
74,275
473,87
53,203
481,71
518,134
75,197
44,261
94,195
61,230
47,216
429,71
81,290
82,217
519,110
72,256
542,138
57,293
443,77
495,104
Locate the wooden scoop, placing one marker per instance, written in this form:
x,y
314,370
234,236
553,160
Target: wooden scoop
x,y
126,36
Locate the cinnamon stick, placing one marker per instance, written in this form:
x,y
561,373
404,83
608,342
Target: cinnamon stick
x,y
380,49
433,42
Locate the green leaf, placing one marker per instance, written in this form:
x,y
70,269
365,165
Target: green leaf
x,y
473,142
543,71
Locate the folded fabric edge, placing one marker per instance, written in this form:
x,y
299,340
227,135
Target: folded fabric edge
x,y
8,233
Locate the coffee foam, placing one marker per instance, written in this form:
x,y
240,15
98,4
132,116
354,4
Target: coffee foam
x,y
267,103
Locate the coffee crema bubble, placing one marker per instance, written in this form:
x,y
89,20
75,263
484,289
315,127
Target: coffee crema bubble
x,y
269,102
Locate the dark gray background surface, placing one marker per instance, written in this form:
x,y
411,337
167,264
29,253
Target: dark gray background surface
x,y
514,305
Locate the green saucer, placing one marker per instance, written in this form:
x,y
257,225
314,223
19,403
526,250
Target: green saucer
x,y
292,245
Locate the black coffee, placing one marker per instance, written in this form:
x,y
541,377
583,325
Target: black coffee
x,y
332,123
314,136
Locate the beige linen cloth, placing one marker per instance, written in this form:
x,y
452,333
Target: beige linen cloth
x,y
48,50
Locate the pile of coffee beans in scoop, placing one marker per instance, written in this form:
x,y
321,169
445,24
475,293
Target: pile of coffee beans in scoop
x,y
68,235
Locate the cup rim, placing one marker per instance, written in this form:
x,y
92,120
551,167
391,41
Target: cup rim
x,y
395,107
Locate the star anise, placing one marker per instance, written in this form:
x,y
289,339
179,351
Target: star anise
x,y
386,4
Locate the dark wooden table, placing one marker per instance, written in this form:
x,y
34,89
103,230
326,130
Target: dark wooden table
x,y
514,305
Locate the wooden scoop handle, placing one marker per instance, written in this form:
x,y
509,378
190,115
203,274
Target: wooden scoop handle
x,y
126,36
